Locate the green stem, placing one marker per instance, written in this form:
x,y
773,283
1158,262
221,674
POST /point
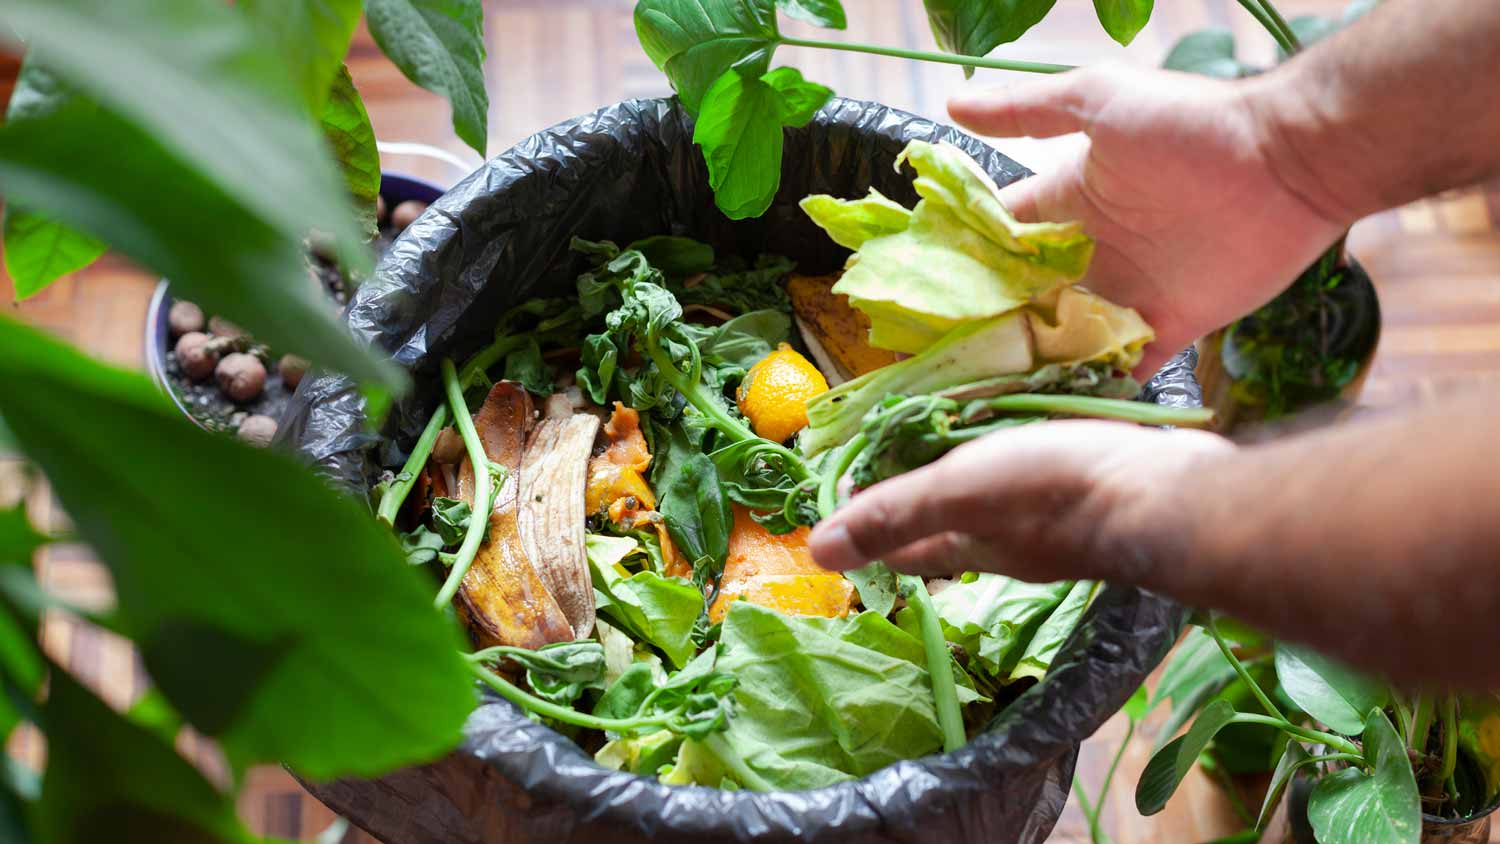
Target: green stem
x,y
828,485
927,56
1421,724
732,761
1341,744
1266,21
1232,794
391,501
483,499
1351,758
1403,716
1144,413
1090,812
939,663
1096,833
1239,668
564,714
1450,746
1282,25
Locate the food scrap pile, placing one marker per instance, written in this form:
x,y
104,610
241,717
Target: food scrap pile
x,y
617,492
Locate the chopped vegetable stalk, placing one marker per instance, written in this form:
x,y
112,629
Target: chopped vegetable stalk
x,y
395,495
1143,413
939,663
485,487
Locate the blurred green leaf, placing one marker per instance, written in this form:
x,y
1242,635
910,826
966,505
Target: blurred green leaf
x,y
696,42
1123,19
347,127
197,161
825,13
138,791
439,44
975,27
1328,691
312,36
359,675
1170,764
1380,808
1209,52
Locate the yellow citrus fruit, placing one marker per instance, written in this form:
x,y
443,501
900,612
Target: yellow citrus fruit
x,y
776,390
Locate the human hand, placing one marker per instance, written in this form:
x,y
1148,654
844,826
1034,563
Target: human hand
x,y
1048,501
1179,185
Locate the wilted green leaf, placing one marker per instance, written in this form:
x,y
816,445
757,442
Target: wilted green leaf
x,y
695,41
313,37
1332,693
359,675
439,44
975,27
347,127
825,13
1209,52
1170,764
1380,808
1122,19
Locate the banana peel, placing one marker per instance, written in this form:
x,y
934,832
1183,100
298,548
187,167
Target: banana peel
x,y
553,474
836,334
502,597
777,572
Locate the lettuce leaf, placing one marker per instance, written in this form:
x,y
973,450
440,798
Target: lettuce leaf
x,y
959,257
1049,638
822,700
1072,325
993,618
654,609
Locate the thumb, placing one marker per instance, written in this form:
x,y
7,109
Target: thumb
x,y
1045,108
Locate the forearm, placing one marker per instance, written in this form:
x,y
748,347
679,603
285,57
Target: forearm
x,y
1399,106
1377,542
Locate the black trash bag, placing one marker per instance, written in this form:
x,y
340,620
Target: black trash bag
x,y
502,236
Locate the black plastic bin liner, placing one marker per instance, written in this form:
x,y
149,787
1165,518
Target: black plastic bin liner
x,y
500,237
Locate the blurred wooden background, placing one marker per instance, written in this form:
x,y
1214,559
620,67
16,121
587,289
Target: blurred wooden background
x,y
1436,264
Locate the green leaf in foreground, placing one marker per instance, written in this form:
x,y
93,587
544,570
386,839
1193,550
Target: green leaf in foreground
x,y
740,130
1379,808
1170,764
695,42
39,250
347,127
439,44
312,35
1209,52
109,779
825,13
1332,693
975,27
1122,19
300,586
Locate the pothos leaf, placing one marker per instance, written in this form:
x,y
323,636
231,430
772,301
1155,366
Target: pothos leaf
x,y
1380,808
1170,764
1292,758
695,41
825,13
1122,19
975,27
1332,693
1208,52
312,35
346,125
439,44
740,130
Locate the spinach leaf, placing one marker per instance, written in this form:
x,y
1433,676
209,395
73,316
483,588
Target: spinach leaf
x,y
559,672
1208,52
741,287
675,256
694,42
450,518
526,365
422,545
346,126
439,44
697,697
744,340
1122,19
312,37
740,130
825,13
698,515
1381,808
975,27
822,700
325,704
658,610
1326,690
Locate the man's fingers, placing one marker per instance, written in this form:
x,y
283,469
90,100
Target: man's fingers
x,y
885,517
1055,105
947,553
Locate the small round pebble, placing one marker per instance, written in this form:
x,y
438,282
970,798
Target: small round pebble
x,y
380,208
407,213
241,376
183,317
221,327
257,430
196,360
449,447
292,368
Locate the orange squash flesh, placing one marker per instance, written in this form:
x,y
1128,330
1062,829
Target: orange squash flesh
x,y
778,572
617,484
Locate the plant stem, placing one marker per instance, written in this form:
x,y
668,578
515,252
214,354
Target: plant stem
x,y
1090,812
1341,744
479,517
1403,717
1421,724
828,485
1129,411
939,663
1096,833
743,774
390,503
1284,27
1266,21
565,714
1334,757
1232,794
928,56
1450,746
1239,668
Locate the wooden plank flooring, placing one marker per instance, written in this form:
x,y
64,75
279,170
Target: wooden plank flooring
x,y
1436,264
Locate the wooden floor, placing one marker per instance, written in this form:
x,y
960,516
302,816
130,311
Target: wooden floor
x,y
1436,264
